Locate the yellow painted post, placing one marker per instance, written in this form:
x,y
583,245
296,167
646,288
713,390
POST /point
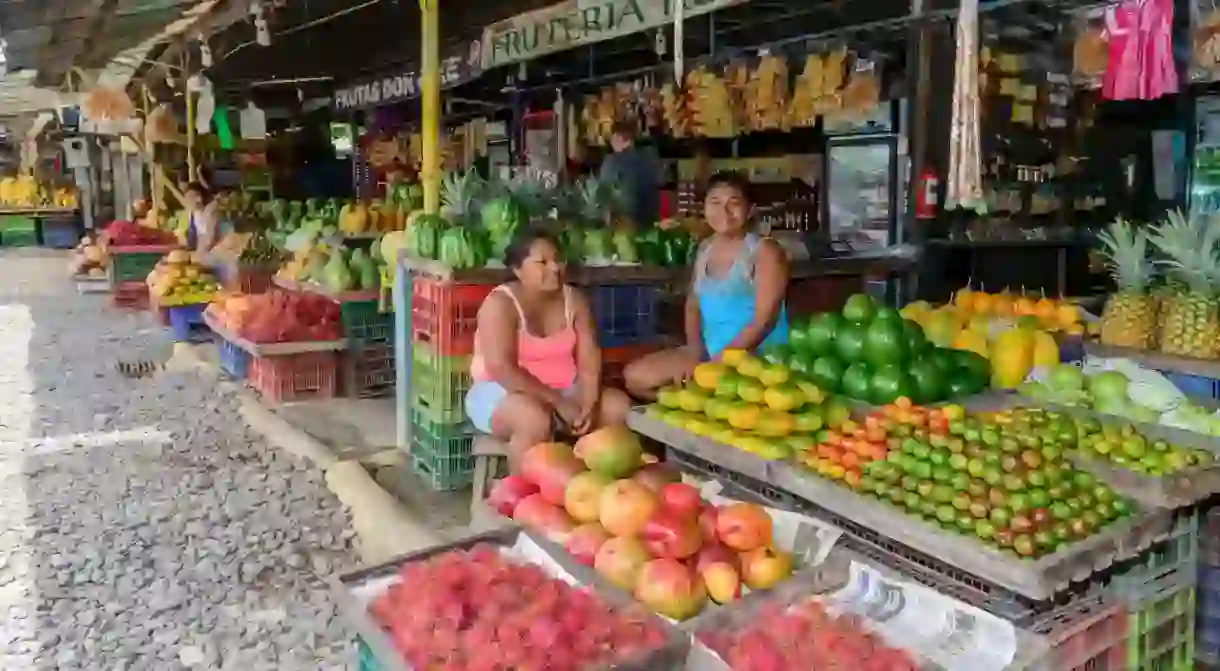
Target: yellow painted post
x,y
430,100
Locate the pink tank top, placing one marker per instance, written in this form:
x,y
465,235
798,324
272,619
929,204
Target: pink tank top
x,y
551,359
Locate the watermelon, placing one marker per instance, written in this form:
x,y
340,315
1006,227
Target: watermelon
x,y
501,218
423,237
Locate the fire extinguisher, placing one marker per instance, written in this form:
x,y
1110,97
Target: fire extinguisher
x,y
925,193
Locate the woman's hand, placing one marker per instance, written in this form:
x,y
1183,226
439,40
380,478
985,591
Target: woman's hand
x,y
571,413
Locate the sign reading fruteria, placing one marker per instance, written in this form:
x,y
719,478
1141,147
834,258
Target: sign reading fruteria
x,y
576,23
458,67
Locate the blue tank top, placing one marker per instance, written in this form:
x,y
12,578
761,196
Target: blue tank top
x,y
726,304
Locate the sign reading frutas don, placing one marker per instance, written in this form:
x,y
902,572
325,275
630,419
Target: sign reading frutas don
x,y
579,22
459,66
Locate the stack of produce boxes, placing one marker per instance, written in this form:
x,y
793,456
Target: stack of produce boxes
x,y
1158,592
1207,624
369,360
627,325
443,320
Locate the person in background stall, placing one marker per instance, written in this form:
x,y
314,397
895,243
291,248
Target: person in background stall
x,y
637,173
203,222
736,296
536,359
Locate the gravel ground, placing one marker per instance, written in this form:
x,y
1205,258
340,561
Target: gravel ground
x,y
142,526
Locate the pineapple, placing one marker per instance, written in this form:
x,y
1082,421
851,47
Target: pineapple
x,y
459,192
1130,316
1190,324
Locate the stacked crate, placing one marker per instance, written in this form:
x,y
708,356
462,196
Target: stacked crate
x,y
368,362
18,231
1158,593
1207,621
444,315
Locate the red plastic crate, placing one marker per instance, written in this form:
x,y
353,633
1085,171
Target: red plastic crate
x,y
295,377
250,280
131,296
445,314
1089,634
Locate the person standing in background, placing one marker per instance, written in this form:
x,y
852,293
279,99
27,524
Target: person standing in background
x,y
636,172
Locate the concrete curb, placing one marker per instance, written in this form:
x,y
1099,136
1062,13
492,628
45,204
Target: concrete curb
x,y
383,525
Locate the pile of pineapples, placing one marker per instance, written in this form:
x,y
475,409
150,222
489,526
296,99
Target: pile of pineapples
x,y
1179,316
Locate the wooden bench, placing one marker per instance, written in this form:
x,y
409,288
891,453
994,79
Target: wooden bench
x,y
490,464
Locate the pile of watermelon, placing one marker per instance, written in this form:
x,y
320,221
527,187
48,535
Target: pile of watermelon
x,y
279,317
131,234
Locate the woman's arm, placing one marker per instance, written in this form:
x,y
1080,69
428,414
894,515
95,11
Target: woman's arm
x,y
497,333
692,323
588,355
770,285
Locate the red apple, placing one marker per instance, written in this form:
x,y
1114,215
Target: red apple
x,y
707,522
715,553
722,581
743,526
681,500
670,589
506,493
765,567
585,541
671,537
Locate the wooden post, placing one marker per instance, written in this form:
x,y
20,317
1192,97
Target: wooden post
x,y
190,116
430,101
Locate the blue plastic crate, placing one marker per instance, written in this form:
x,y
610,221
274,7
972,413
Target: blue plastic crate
x,y
1209,582
60,232
186,321
234,361
1195,385
626,314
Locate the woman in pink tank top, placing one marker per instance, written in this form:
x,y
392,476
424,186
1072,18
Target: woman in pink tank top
x,y
536,356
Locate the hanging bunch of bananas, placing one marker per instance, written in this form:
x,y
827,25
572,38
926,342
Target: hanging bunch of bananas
x,y
598,116
863,89
766,94
818,88
711,104
673,109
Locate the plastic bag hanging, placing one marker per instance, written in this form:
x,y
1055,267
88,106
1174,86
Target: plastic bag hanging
x,y
965,184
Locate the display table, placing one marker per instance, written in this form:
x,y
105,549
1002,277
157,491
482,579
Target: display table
x,y
912,540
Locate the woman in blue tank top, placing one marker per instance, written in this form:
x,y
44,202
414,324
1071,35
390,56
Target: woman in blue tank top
x,y
736,300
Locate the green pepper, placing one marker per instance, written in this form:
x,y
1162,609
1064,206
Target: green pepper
x,y
650,248
678,248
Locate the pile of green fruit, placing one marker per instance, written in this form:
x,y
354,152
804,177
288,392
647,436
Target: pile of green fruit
x,y
870,353
1001,477
1126,447
1140,395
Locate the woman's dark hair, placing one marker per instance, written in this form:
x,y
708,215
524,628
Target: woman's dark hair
x,y
200,189
523,240
734,180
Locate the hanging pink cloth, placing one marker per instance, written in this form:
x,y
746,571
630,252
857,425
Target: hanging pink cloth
x,y
1159,75
1122,78
1140,64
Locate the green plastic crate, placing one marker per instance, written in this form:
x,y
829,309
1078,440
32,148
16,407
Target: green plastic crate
x,y
442,454
132,266
19,237
365,661
10,222
1168,647
1165,568
439,384
365,323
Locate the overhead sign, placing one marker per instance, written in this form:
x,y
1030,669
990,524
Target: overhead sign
x,y
457,67
577,23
